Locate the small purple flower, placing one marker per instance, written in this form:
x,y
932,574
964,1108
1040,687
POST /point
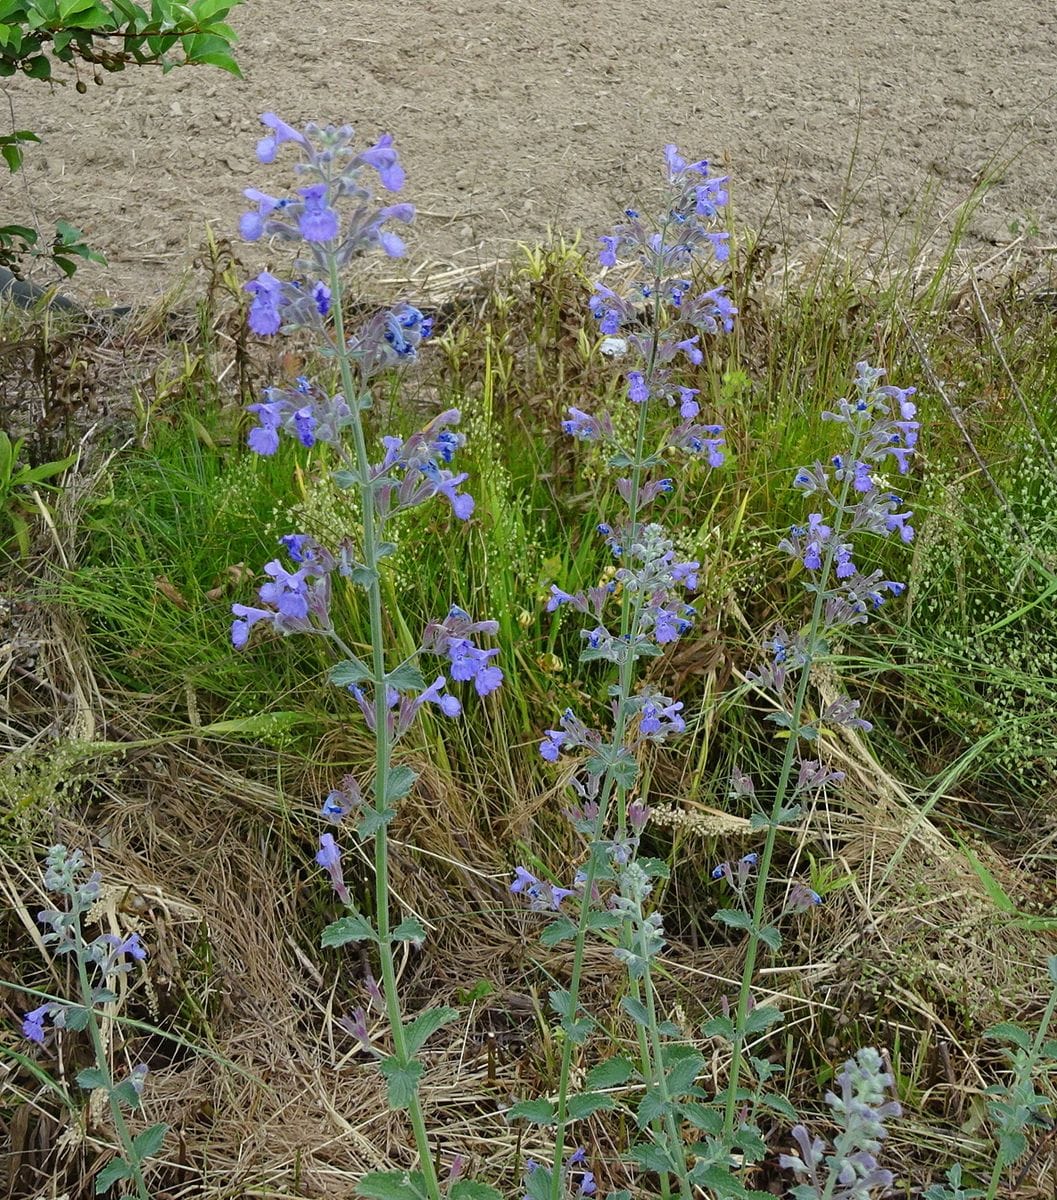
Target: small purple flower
x,y
287,592
318,222
321,297
251,224
688,406
33,1023
551,746
245,619
801,899
329,858
269,145
266,291
638,390
385,160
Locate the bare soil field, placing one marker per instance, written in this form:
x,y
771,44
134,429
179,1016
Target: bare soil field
x,y
514,118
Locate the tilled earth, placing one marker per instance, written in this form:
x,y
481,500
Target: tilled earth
x,y
515,118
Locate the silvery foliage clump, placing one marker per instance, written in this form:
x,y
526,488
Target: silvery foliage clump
x,y
98,964
847,1168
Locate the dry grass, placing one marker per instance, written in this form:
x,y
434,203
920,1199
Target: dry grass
x,y
261,1088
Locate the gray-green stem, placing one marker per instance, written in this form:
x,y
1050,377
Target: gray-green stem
x,y
675,1141
383,743
102,1061
781,792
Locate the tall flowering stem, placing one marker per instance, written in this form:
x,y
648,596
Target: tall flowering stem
x,y
410,472
882,432
652,317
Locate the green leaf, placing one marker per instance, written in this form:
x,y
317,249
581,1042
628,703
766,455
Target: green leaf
x,y
717,1179
218,59
560,930
125,1093
536,1112
37,68
1051,967
392,1185
12,156
734,917
400,782
635,1009
771,938
719,1027
652,1158
418,1031
402,1079
683,1074
624,771
650,1108
409,930
580,1107
348,672
599,919
762,1018
614,1072
470,1189
363,577
779,1104
1006,1031
256,725
353,928
538,1183
91,1078
345,479
561,1002
114,1171
996,893
578,1031
654,868
706,1117
406,678
371,820
75,1017
149,1142
45,470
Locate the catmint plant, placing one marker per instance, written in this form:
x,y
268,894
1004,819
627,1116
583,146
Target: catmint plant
x,y
98,965
1016,1107
847,1170
654,320
387,480
852,497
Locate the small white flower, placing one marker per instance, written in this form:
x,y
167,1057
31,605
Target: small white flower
x,y
614,347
